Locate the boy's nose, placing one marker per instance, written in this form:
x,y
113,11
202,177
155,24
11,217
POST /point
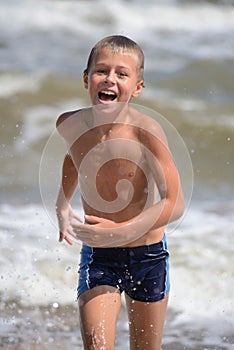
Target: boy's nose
x,y
110,78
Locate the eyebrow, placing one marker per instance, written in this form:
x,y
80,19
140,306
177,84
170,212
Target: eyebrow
x,y
105,64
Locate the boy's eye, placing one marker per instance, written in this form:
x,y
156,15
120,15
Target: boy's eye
x,y
106,72
122,74
101,71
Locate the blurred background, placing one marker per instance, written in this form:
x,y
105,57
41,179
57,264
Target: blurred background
x,y
189,75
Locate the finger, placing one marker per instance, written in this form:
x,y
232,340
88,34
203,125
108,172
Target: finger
x,y
78,226
61,236
68,240
77,217
92,219
71,233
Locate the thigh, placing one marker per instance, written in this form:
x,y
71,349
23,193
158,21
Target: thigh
x,y
146,322
99,308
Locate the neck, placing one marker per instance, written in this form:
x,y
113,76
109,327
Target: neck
x,y
109,114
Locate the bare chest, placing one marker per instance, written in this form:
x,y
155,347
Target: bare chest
x,y
117,146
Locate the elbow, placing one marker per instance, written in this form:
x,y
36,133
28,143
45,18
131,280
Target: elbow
x,y
180,210
176,213
179,207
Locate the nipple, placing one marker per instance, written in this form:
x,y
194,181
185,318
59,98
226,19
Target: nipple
x,y
105,135
103,138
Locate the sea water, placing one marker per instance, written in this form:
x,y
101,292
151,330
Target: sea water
x,y
189,49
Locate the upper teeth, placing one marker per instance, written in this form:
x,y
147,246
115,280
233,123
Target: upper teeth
x,y
108,92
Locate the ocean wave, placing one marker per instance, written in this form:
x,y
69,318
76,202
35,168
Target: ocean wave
x,y
32,261
45,272
11,84
176,30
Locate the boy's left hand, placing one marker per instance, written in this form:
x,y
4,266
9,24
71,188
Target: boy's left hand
x,y
99,222
95,232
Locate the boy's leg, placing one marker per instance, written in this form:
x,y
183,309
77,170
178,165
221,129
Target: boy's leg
x,y
99,308
146,321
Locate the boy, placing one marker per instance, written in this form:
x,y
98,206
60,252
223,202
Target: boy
x,y
121,161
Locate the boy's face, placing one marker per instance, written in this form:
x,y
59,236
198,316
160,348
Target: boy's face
x,y
113,77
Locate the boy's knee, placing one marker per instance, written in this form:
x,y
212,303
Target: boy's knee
x,y
95,339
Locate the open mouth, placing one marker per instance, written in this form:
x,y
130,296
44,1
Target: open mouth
x,y
107,96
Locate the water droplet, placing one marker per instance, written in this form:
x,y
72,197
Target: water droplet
x,y
55,305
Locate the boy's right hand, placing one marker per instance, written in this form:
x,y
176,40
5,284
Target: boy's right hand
x,y
65,217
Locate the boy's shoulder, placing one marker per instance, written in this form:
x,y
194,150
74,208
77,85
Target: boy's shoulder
x,y
148,126
66,115
72,124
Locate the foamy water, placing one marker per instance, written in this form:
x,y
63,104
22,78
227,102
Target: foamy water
x,y
37,271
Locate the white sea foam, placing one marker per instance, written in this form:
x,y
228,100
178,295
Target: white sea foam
x,y
10,84
36,269
162,15
39,122
202,264
182,31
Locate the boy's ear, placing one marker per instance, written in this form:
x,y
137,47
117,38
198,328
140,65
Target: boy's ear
x,y
85,79
138,88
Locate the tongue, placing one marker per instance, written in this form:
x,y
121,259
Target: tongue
x,y
106,97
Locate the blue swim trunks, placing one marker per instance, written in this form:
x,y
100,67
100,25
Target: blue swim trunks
x,y
142,272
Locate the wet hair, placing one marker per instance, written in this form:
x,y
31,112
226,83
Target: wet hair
x,y
117,43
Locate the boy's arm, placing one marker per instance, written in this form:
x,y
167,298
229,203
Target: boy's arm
x,y
64,210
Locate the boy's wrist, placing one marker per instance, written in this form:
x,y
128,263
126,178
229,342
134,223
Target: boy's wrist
x,y
61,207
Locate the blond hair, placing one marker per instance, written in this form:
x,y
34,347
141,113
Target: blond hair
x,y
117,43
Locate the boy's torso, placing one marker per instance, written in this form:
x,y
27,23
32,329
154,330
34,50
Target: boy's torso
x,y
115,181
